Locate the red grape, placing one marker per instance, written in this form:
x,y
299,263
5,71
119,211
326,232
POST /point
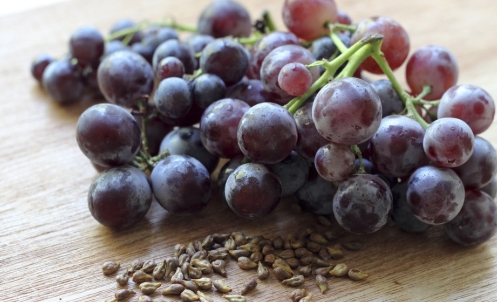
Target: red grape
x,y
448,142
169,67
334,162
307,18
347,111
395,45
309,140
222,18
294,79
469,103
432,65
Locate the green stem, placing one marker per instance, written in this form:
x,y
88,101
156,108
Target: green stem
x,y
336,39
354,62
143,110
331,68
268,20
358,153
250,40
180,27
423,102
131,30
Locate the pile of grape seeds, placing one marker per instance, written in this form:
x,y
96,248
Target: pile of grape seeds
x,y
293,115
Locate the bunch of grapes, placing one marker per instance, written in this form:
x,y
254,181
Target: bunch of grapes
x,y
291,113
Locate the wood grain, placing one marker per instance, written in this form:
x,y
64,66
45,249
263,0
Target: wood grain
x,y
51,249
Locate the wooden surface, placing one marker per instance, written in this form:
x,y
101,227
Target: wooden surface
x,y
52,249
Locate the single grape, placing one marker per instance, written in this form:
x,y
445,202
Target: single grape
x,y
347,111
222,18
432,65
292,173
181,184
435,195
343,18
63,81
120,197
126,24
396,148
108,135
295,79
124,77
218,127
334,162
476,222
170,67
480,168
401,213
186,141
278,58
173,97
307,18
309,140
316,194
265,45
448,142
267,133
226,170
491,188
362,203
175,48
39,64
395,45
87,45
251,92
225,58
469,103
390,100
207,89
252,191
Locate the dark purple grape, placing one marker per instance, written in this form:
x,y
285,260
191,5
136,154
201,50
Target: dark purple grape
x,y
98,167
390,100
469,103
367,165
491,188
267,133
146,51
476,222
113,46
309,140
435,195
174,48
448,142
226,170
108,135
401,213
292,172
251,92
480,168
124,77
87,45
252,191
120,197
222,18
265,45
324,48
169,67
225,58
207,89
181,184
173,97
334,162
278,58
316,195
197,42
218,127
362,203
186,141
63,81
347,111
155,35
157,129
191,118
127,24
39,64
396,148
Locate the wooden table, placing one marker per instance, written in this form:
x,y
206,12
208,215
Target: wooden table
x,y
52,249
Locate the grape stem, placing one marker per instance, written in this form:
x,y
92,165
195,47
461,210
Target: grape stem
x,y
268,20
249,40
379,57
335,38
358,153
128,33
330,70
